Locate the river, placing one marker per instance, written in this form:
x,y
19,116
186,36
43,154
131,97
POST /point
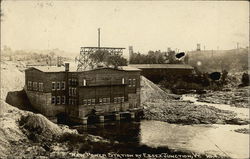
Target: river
x,y
242,113
213,139
205,139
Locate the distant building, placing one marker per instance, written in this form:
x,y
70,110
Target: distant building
x,y
158,72
198,47
57,91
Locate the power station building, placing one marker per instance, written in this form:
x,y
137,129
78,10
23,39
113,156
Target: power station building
x,y
54,91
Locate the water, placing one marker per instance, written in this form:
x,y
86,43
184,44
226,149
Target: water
x,y
208,139
204,139
242,113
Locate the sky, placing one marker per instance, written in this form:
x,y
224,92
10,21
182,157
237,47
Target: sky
x,y
145,25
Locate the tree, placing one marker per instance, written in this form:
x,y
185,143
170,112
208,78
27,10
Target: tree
x,y
108,59
116,60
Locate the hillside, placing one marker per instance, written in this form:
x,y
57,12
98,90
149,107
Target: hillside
x,y
218,60
37,57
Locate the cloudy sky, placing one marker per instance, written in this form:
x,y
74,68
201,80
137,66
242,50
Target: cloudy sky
x,y
145,25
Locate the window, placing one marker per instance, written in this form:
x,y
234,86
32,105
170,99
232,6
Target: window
x,y
63,100
70,91
93,101
58,85
29,85
70,101
115,100
74,91
58,100
100,100
73,101
40,86
89,101
104,101
123,81
70,81
74,81
108,100
84,82
53,85
122,99
118,99
85,102
134,82
129,83
63,86
34,85
53,100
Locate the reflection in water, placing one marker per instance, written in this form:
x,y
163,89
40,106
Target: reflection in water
x,y
122,131
209,139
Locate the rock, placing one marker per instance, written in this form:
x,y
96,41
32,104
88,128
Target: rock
x,y
244,131
220,121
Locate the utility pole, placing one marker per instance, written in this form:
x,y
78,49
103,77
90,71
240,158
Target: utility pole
x,y
99,37
238,47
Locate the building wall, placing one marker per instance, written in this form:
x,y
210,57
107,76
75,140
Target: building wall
x,y
42,103
94,84
157,75
102,92
134,99
35,75
102,109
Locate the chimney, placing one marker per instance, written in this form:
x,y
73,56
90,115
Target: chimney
x,y
58,62
66,67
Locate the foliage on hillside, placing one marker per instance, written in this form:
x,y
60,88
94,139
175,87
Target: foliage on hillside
x,y
34,57
156,57
229,60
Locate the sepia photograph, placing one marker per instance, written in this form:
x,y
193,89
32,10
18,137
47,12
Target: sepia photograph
x,y
128,79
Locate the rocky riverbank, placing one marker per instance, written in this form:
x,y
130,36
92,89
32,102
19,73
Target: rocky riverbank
x,y
24,134
187,113
237,97
244,131
165,107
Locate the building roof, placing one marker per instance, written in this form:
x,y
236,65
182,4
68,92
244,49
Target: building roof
x,y
129,68
74,69
53,68
161,66
120,68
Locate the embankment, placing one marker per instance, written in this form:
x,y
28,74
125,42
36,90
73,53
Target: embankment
x,y
158,105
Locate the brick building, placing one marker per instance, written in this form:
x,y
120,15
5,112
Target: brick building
x,y
56,90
